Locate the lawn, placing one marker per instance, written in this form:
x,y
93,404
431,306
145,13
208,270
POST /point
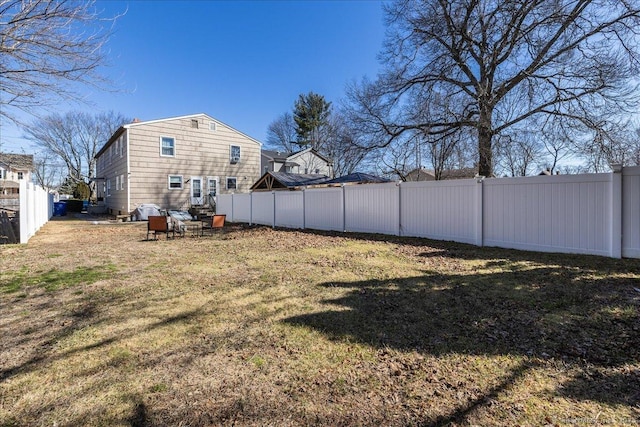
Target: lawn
x,y
273,327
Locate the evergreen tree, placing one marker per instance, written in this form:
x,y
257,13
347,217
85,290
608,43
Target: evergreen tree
x,y
311,115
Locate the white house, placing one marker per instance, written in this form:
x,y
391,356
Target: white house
x,y
307,161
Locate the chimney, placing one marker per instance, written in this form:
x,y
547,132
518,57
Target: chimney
x,y
136,120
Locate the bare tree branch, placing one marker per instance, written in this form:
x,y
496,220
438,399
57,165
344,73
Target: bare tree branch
x,y
47,50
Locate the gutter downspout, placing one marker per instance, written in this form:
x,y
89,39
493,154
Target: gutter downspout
x,y
126,133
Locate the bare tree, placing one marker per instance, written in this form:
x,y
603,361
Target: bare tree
x,y
48,170
341,145
74,138
47,48
575,59
281,134
516,156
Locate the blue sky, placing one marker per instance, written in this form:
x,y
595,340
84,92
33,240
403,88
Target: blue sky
x,y
242,62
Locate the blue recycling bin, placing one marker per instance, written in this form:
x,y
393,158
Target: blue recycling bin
x,y
59,209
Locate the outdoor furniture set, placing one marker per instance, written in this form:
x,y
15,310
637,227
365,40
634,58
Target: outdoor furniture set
x,y
159,224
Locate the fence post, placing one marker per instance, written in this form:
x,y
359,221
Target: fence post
x,y
399,186
232,218
304,208
344,210
615,248
273,225
479,238
23,213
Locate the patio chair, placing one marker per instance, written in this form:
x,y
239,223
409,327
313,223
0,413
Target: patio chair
x,y
159,224
214,223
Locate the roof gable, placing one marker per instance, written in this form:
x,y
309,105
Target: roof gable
x,y
17,161
309,150
122,128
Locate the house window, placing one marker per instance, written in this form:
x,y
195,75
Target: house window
x,y
167,146
231,183
20,175
122,182
3,174
121,147
117,183
108,187
235,153
212,126
175,182
194,123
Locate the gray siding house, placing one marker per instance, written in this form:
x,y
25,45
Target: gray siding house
x,y
176,163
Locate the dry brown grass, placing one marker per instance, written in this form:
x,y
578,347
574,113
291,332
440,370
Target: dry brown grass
x,y
264,327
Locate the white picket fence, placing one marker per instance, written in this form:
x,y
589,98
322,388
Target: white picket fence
x,y
36,208
591,214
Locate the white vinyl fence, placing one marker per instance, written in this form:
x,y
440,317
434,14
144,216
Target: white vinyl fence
x,y
36,208
591,214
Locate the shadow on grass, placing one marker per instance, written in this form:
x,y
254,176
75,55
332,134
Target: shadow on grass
x,y
45,357
581,316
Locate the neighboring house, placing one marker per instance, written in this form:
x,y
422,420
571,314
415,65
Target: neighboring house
x,y
13,169
175,163
420,174
307,161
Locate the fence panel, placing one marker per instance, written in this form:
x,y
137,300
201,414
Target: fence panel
x,y
262,208
570,213
224,206
631,212
372,208
444,210
289,209
242,207
36,208
591,213
324,209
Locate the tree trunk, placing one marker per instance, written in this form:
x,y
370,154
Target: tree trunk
x,y
485,143
485,158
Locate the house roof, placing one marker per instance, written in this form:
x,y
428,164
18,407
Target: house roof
x,y
17,161
420,174
357,178
446,174
282,180
122,128
462,173
275,155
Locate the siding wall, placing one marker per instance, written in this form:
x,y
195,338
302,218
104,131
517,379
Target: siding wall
x,y
592,214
